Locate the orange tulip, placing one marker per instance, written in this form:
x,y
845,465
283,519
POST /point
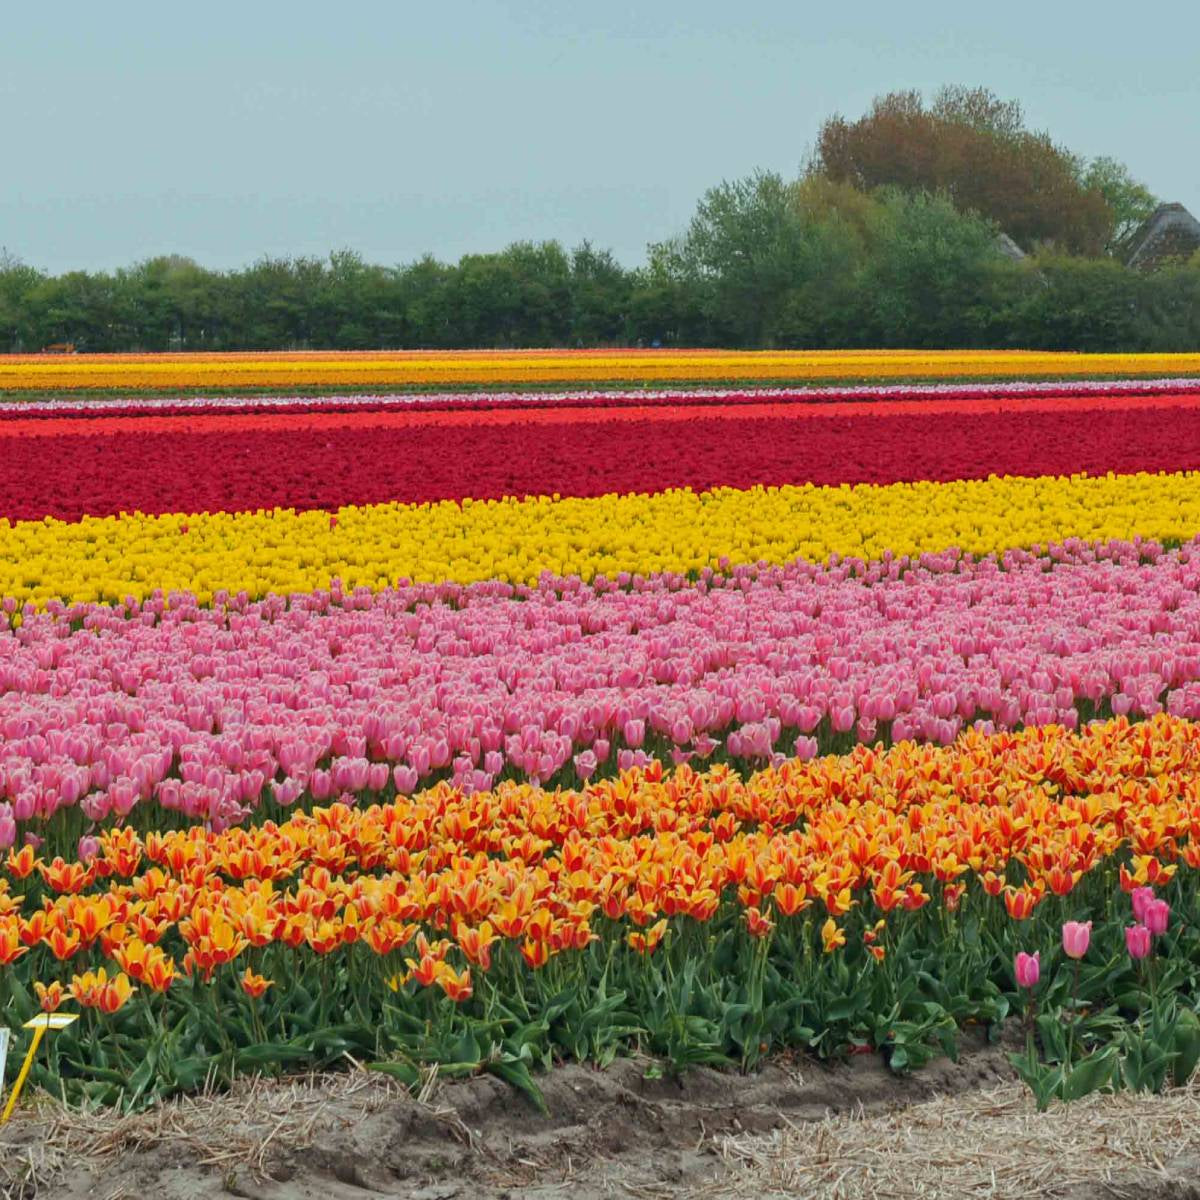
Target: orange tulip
x,y
67,877
159,971
456,985
21,863
90,916
94,989
1148,870
757,925
10,941
1020,902
385,937
536,954
146,964
647,942
790,899
1061,881
50,995
425,971
325,937
833,937
115,993
476,944
255,986
63,944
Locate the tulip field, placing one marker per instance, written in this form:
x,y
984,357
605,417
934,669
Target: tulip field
x,y
478,730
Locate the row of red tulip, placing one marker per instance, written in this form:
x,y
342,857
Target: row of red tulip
x,y
321,460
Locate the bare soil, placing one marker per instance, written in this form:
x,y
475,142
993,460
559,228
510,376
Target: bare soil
x,y
623,1131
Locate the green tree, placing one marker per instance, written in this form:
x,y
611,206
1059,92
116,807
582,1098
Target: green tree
x,y
17,283
1129,201
743,251
600,293
1080,304
929,273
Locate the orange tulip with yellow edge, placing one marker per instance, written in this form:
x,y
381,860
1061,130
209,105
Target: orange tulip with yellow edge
x,y
255,986
833,937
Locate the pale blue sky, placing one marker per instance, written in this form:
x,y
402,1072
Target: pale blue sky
x,y
229,130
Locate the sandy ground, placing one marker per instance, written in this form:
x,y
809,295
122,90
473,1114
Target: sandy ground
x,y
794,1129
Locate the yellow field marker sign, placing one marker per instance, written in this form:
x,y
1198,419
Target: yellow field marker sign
x,y
39,1025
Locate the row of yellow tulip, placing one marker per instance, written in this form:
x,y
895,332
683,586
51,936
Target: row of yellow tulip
x,y
111,558
409,369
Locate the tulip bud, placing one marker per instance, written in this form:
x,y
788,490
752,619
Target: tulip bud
x,y
1076,937
1137,941
1028,967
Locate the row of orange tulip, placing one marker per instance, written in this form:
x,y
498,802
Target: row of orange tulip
x,y
409,369
1023,815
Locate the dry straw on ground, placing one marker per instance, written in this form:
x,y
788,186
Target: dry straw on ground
x,y
343,1135
237,1130
992,1145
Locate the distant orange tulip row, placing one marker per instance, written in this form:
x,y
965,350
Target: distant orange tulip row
x,y
407,369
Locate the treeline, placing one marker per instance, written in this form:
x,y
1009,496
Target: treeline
x,y
890,237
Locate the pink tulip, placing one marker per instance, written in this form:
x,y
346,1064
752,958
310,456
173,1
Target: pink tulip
x,y
585,765
739,656
681,730
1076,936
806,748
842,718
1158,917
88,848
405,779
287,792
1140,897
1137,941
1029,968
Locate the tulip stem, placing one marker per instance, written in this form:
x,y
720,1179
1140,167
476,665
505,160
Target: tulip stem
x,y
1030,1048
1074,1017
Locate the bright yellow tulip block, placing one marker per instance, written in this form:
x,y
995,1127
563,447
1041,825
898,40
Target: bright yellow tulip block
x,y
39,1025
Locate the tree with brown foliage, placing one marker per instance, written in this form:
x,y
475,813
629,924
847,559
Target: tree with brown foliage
x,y
974,148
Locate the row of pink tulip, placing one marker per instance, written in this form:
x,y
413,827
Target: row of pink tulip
x,y
433,401
210,711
